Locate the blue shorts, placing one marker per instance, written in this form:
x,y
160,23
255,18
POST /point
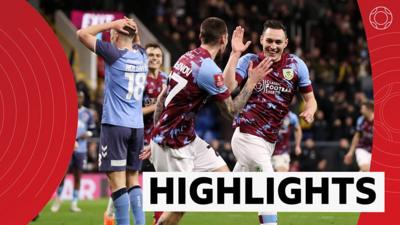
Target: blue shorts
x,y
120,148
78,160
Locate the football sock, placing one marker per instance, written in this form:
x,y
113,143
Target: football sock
x,y
121,204
75,195
268,218
136,199
60,189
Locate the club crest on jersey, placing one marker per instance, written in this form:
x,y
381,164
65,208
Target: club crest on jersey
x,y
218,80
288,73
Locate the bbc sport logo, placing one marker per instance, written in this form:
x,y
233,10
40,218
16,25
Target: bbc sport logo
x,y
380,18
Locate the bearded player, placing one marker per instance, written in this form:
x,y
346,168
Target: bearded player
x,y
194,78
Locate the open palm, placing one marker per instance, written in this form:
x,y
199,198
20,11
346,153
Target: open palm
x,y
237,40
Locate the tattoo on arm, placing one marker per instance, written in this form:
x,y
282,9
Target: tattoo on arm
x,y
233,107
240,101
159,107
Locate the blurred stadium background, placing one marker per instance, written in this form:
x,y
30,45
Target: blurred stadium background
x,y
327,34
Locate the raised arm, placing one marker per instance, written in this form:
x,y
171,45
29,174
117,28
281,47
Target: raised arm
x,y
88,35
237,49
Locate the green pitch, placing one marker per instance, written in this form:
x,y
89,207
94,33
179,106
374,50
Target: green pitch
x,y
92,214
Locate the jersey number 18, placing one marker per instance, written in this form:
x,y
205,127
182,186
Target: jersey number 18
x,y
136,83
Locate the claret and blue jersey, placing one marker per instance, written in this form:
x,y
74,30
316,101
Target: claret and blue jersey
x,y
289,122
366,130
152,90
269,103
193,79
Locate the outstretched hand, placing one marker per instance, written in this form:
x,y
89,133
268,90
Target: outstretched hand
x,y
237,40
260,71
146,153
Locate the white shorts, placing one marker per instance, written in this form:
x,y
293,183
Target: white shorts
x,y
252,153
363,157
281,161
198,156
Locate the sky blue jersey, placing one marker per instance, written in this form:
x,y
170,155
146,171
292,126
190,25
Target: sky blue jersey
x,y
125,77
85,123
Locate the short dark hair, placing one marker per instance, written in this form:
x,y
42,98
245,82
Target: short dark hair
x,y
155,45
131,32
152,45
212,29
274,24
369,104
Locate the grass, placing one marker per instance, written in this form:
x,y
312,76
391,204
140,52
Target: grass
x,y
92,214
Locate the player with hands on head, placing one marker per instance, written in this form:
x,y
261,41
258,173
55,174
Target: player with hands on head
x,y
121,137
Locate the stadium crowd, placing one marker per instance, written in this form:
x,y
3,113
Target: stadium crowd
x,y
327,35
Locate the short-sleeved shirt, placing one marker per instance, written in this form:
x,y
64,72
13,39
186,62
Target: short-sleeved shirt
x,y
125,77
365,128
194,78
152,90
269,103
85,123
282,145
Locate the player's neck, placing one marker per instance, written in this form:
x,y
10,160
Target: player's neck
x,y
153,72
124,45
213,50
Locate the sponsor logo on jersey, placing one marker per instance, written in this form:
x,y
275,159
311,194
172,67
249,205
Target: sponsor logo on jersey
x,y
270,87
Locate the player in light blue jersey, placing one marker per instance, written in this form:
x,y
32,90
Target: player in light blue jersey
x,y
121,138
84,131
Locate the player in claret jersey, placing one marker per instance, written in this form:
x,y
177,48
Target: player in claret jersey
x,y
258,124
195,78
156,80
281,156
361,144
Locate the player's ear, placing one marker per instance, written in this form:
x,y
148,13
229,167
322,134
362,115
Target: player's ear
x,y
286,42
261,38
224,39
